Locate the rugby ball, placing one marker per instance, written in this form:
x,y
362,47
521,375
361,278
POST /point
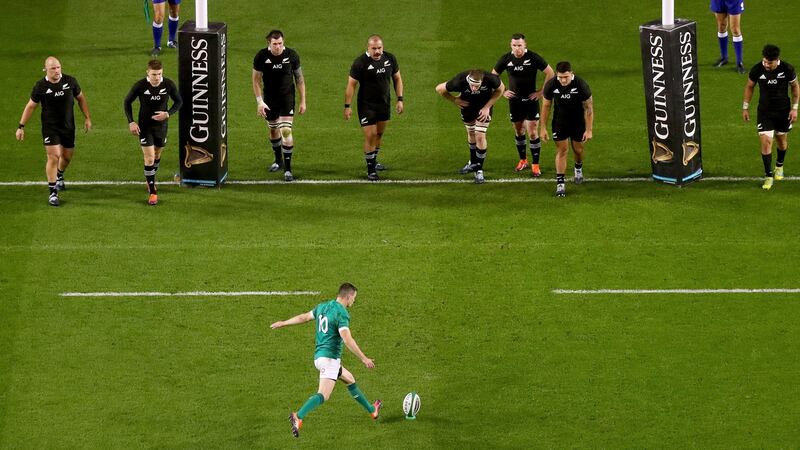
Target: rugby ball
x,y
411,405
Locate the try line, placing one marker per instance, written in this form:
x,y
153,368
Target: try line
x,y
675,291
466,179
189,294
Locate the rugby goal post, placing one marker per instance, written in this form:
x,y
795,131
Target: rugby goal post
x,y
203,83
672,97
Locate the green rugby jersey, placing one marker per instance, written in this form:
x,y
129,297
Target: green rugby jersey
x,y
330,316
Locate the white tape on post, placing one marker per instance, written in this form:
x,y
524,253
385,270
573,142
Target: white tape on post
x,y
667,12
201,14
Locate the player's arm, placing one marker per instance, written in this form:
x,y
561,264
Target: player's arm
x,y
545,114
398,90
296,320
588,116
441,89
27,112
549,73
127,106
795,99
177,100
261,108
485,112
495,95
84,105
748,94
508,92
349,91
300,82
353,347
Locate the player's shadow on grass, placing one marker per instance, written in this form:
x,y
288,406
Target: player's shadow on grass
x,y
400,418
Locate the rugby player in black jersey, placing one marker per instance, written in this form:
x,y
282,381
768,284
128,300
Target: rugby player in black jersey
x,y
153,93
776,113
372,72
56,92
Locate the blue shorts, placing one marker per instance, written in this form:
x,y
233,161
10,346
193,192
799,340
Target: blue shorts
x,y
730,7
171,2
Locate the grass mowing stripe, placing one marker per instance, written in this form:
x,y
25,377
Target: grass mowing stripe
x,y
188,294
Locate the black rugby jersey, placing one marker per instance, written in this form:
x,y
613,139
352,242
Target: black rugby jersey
x,y
374,78
57,100
773,86
478,99
152,99
277,71
521,71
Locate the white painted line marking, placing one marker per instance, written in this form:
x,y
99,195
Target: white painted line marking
x,y
188,294
466,179
676,291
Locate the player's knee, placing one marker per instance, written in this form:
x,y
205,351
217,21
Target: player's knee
x,y
285,129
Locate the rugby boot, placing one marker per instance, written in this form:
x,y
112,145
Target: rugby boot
x,y
296,423
535,170
469,167
521,165
767,183
778,173
578,176
377,404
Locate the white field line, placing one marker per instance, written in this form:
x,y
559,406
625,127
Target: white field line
x,y
675,291
466,179
189,294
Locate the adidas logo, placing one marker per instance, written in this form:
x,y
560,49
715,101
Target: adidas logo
x,y
268,61
510,64
49,91
556,91
370,67
147,92
762,77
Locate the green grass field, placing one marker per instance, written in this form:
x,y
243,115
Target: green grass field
x,y
456,281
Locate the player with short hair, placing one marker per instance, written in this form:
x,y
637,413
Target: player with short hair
x,y
333,329
729,14
775,113
372,72
478,91
572,120
523,98
153,93
56,92
277,69
158,24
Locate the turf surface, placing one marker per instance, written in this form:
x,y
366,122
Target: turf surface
x,y
455,280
